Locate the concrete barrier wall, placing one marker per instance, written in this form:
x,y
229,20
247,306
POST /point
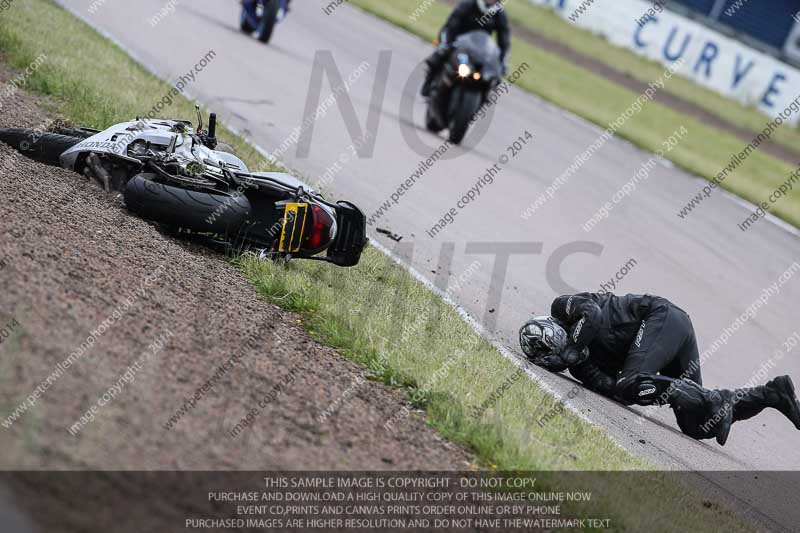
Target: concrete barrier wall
x,y
713,60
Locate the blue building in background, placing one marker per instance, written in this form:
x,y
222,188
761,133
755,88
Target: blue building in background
x,y
771,25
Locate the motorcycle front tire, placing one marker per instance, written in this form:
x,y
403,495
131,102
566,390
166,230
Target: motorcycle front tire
x,y
465,102
219,214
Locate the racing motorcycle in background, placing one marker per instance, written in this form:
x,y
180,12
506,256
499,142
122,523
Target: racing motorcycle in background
x,y
171,173
461,88
261,17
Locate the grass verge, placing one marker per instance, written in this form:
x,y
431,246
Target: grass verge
x,y
78,66
705,150
376,313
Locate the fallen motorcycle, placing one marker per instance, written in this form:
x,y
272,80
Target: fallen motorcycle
x,y
473,69
172,174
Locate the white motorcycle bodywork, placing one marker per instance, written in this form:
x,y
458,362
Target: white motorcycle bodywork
x,y
137,136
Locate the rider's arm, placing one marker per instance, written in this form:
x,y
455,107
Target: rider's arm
x,y
503,35
581,314
450,30
594,378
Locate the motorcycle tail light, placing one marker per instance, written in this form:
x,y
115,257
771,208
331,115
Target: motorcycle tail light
x,y
322,228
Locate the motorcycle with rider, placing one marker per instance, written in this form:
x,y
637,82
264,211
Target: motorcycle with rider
x,y
466,66
261,17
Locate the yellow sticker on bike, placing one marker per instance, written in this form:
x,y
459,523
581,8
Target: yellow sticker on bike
x,y
294,224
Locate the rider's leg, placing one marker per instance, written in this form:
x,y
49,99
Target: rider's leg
x,y
686,363
663,367
744,403
435,62
249,9
665,334
702,413
695,407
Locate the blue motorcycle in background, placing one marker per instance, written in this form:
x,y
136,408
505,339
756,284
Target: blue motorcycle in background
x,y
261,16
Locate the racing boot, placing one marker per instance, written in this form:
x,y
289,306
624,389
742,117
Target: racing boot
x,y
777,393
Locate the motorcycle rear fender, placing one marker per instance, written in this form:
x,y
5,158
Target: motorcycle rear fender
x,y
287,179
351,236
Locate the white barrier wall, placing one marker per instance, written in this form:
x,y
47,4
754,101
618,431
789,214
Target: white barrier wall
x,y
711,59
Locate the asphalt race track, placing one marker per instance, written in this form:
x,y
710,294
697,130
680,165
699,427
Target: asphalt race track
x,y
704,263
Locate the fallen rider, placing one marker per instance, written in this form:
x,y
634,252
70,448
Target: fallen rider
x,y
642,349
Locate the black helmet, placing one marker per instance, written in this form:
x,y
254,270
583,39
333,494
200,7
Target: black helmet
x,y
541,337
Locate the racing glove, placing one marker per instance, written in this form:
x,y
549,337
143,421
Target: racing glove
x,y
553,363
594,378
573,356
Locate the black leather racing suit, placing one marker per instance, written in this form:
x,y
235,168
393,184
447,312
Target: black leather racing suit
x,y
643,350
466,17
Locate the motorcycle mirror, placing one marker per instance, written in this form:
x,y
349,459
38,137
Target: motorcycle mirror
x,y
199,118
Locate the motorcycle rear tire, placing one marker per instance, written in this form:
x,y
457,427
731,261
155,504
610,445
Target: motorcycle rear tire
x,y
81,133
267,23
466,103
183,208
42,147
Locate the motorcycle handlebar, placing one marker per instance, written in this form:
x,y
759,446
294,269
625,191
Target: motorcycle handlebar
x,y
212,125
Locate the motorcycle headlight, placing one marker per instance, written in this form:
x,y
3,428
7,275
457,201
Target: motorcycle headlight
x,y
464,70
137,148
